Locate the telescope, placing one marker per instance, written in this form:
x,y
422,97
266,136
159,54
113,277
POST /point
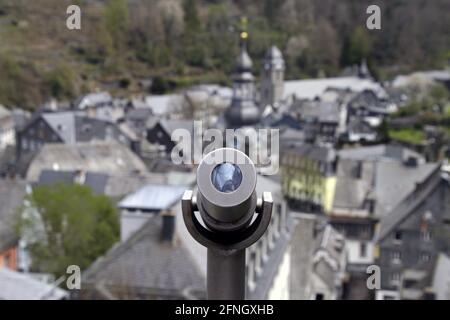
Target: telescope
x,y
226,216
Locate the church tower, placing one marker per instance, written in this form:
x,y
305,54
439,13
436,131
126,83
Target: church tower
x,y
243,110
272,78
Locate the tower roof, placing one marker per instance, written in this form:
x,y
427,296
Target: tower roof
x,y
243,61
273,59
274,53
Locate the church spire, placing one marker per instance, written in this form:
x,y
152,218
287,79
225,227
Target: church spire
x,y
243,110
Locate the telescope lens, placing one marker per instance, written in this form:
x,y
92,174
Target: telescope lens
x,y
226,177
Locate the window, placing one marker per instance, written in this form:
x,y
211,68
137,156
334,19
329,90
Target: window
x,y
363,250
398,236
395,278
424,257
396,257
425,235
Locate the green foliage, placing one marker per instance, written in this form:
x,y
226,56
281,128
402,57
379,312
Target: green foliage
x,y
191,18
117,22
160,85
61,82
74,227
190,37
383,131
413,136
357,47
16,78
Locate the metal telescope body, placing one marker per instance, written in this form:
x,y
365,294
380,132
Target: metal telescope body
x,y
226,217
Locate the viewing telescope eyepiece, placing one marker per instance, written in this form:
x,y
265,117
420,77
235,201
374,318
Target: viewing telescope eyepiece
x,y
226,177
226,198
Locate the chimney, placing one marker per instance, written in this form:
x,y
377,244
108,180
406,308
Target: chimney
x,y
412,162
168,226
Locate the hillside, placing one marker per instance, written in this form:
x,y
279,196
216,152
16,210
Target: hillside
x,y
181,42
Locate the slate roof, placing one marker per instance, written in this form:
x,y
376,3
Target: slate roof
x,y
160,104
73,127
394,181
139,113
144,262
406,206
318,110
377,173
115,185
96,181
100,156
313,88
314,152
12,193
153,197
48,177
20,286
379,152
171,125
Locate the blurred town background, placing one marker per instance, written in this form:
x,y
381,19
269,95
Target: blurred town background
x,y
86,117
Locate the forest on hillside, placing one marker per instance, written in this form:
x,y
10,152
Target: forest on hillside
x,y
182,42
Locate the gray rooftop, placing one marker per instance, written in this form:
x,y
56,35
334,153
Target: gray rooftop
x,y
406,203
20,286
153,197
144,261
379,152
386,182
314,152
106,157
394,181
318,110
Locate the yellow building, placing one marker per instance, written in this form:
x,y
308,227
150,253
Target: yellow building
x,y
308,176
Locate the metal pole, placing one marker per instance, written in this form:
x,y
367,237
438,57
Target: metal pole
x,y
226,275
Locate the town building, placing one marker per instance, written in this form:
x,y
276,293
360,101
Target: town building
x,y
318,260
69,128
413,235
308,177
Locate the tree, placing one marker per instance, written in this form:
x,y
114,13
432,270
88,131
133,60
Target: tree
x,y
117,22
357,47
61,82
69,226
191,18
